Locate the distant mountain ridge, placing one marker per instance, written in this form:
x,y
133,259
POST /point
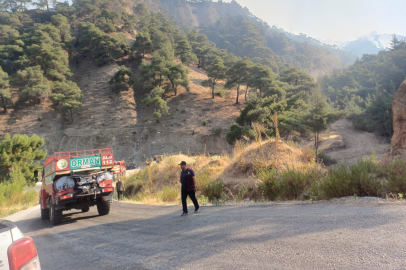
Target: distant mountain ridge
x,y
314,57
372,43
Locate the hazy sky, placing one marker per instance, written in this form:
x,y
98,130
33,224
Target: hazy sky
x,y
341,20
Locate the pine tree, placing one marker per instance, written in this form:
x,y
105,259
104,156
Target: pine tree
x,y
155,99
237,75
216,72
142,44
35,85
184,52
105,48
319,117
61,23
44,49
5,93
178,76
67,95
23,152
263,80
122,76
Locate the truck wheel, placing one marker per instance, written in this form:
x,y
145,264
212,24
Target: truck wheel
x,y
103,206
44,213
85,209
55,215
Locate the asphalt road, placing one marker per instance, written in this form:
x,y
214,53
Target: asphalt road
x,y
136,236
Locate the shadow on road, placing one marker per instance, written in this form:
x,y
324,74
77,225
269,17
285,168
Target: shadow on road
x,y
156,237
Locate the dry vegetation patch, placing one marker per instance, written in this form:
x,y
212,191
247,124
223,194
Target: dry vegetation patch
x,y
219,177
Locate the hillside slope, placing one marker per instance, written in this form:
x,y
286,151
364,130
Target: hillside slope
x,y
108,119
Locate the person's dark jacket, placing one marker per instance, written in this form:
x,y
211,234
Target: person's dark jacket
x,y
120,186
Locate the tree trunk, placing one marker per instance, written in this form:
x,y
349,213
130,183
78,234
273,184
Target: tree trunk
x,y
246,92
317,143
71,115
238,94
212,91
4,104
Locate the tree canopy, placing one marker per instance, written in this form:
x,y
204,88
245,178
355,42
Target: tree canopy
x,y
23,152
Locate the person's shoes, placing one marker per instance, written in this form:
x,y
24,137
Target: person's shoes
x,y
184,214
197,211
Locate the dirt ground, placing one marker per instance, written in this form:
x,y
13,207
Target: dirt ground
x,y
344,143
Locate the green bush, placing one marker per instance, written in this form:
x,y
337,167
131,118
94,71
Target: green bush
x,y
214,190
347,180
325,159
295,184
269,184
13,196
169,194
203,200
221,92
216,131
203,179
236,133
395,174
289,184
243,193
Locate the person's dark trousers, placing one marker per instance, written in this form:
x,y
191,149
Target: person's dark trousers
x,y
120,195
192,196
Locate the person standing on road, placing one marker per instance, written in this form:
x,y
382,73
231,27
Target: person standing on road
x,y
188,181
120,189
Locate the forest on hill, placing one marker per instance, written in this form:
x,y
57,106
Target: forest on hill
x,y
234,28
239,53
365,90
38,45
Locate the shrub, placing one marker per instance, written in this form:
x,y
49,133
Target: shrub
x,y
296,184
268,185
289,184
348,180
216,131
221,92
203,179
12,195
243,193
214,190
236,133
325,159
395,173
169,194
203,200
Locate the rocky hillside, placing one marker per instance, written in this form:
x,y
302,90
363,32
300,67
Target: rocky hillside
x,y
398,145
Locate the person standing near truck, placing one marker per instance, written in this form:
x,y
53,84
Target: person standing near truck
x,y
120,189
188,182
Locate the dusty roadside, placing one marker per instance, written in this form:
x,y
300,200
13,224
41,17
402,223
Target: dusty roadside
x,y
344,143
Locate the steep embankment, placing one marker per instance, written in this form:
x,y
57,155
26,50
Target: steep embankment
x,y
108,119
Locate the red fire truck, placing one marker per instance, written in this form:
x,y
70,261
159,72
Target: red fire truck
x,y
76,180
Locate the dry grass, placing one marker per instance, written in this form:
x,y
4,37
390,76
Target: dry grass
x,y
239,174
18,202
270,154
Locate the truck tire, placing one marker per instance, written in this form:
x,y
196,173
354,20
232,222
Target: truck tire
x,y
85,209
103,206
55,215
44,212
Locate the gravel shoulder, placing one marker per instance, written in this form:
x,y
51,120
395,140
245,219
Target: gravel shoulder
x,y
286,235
